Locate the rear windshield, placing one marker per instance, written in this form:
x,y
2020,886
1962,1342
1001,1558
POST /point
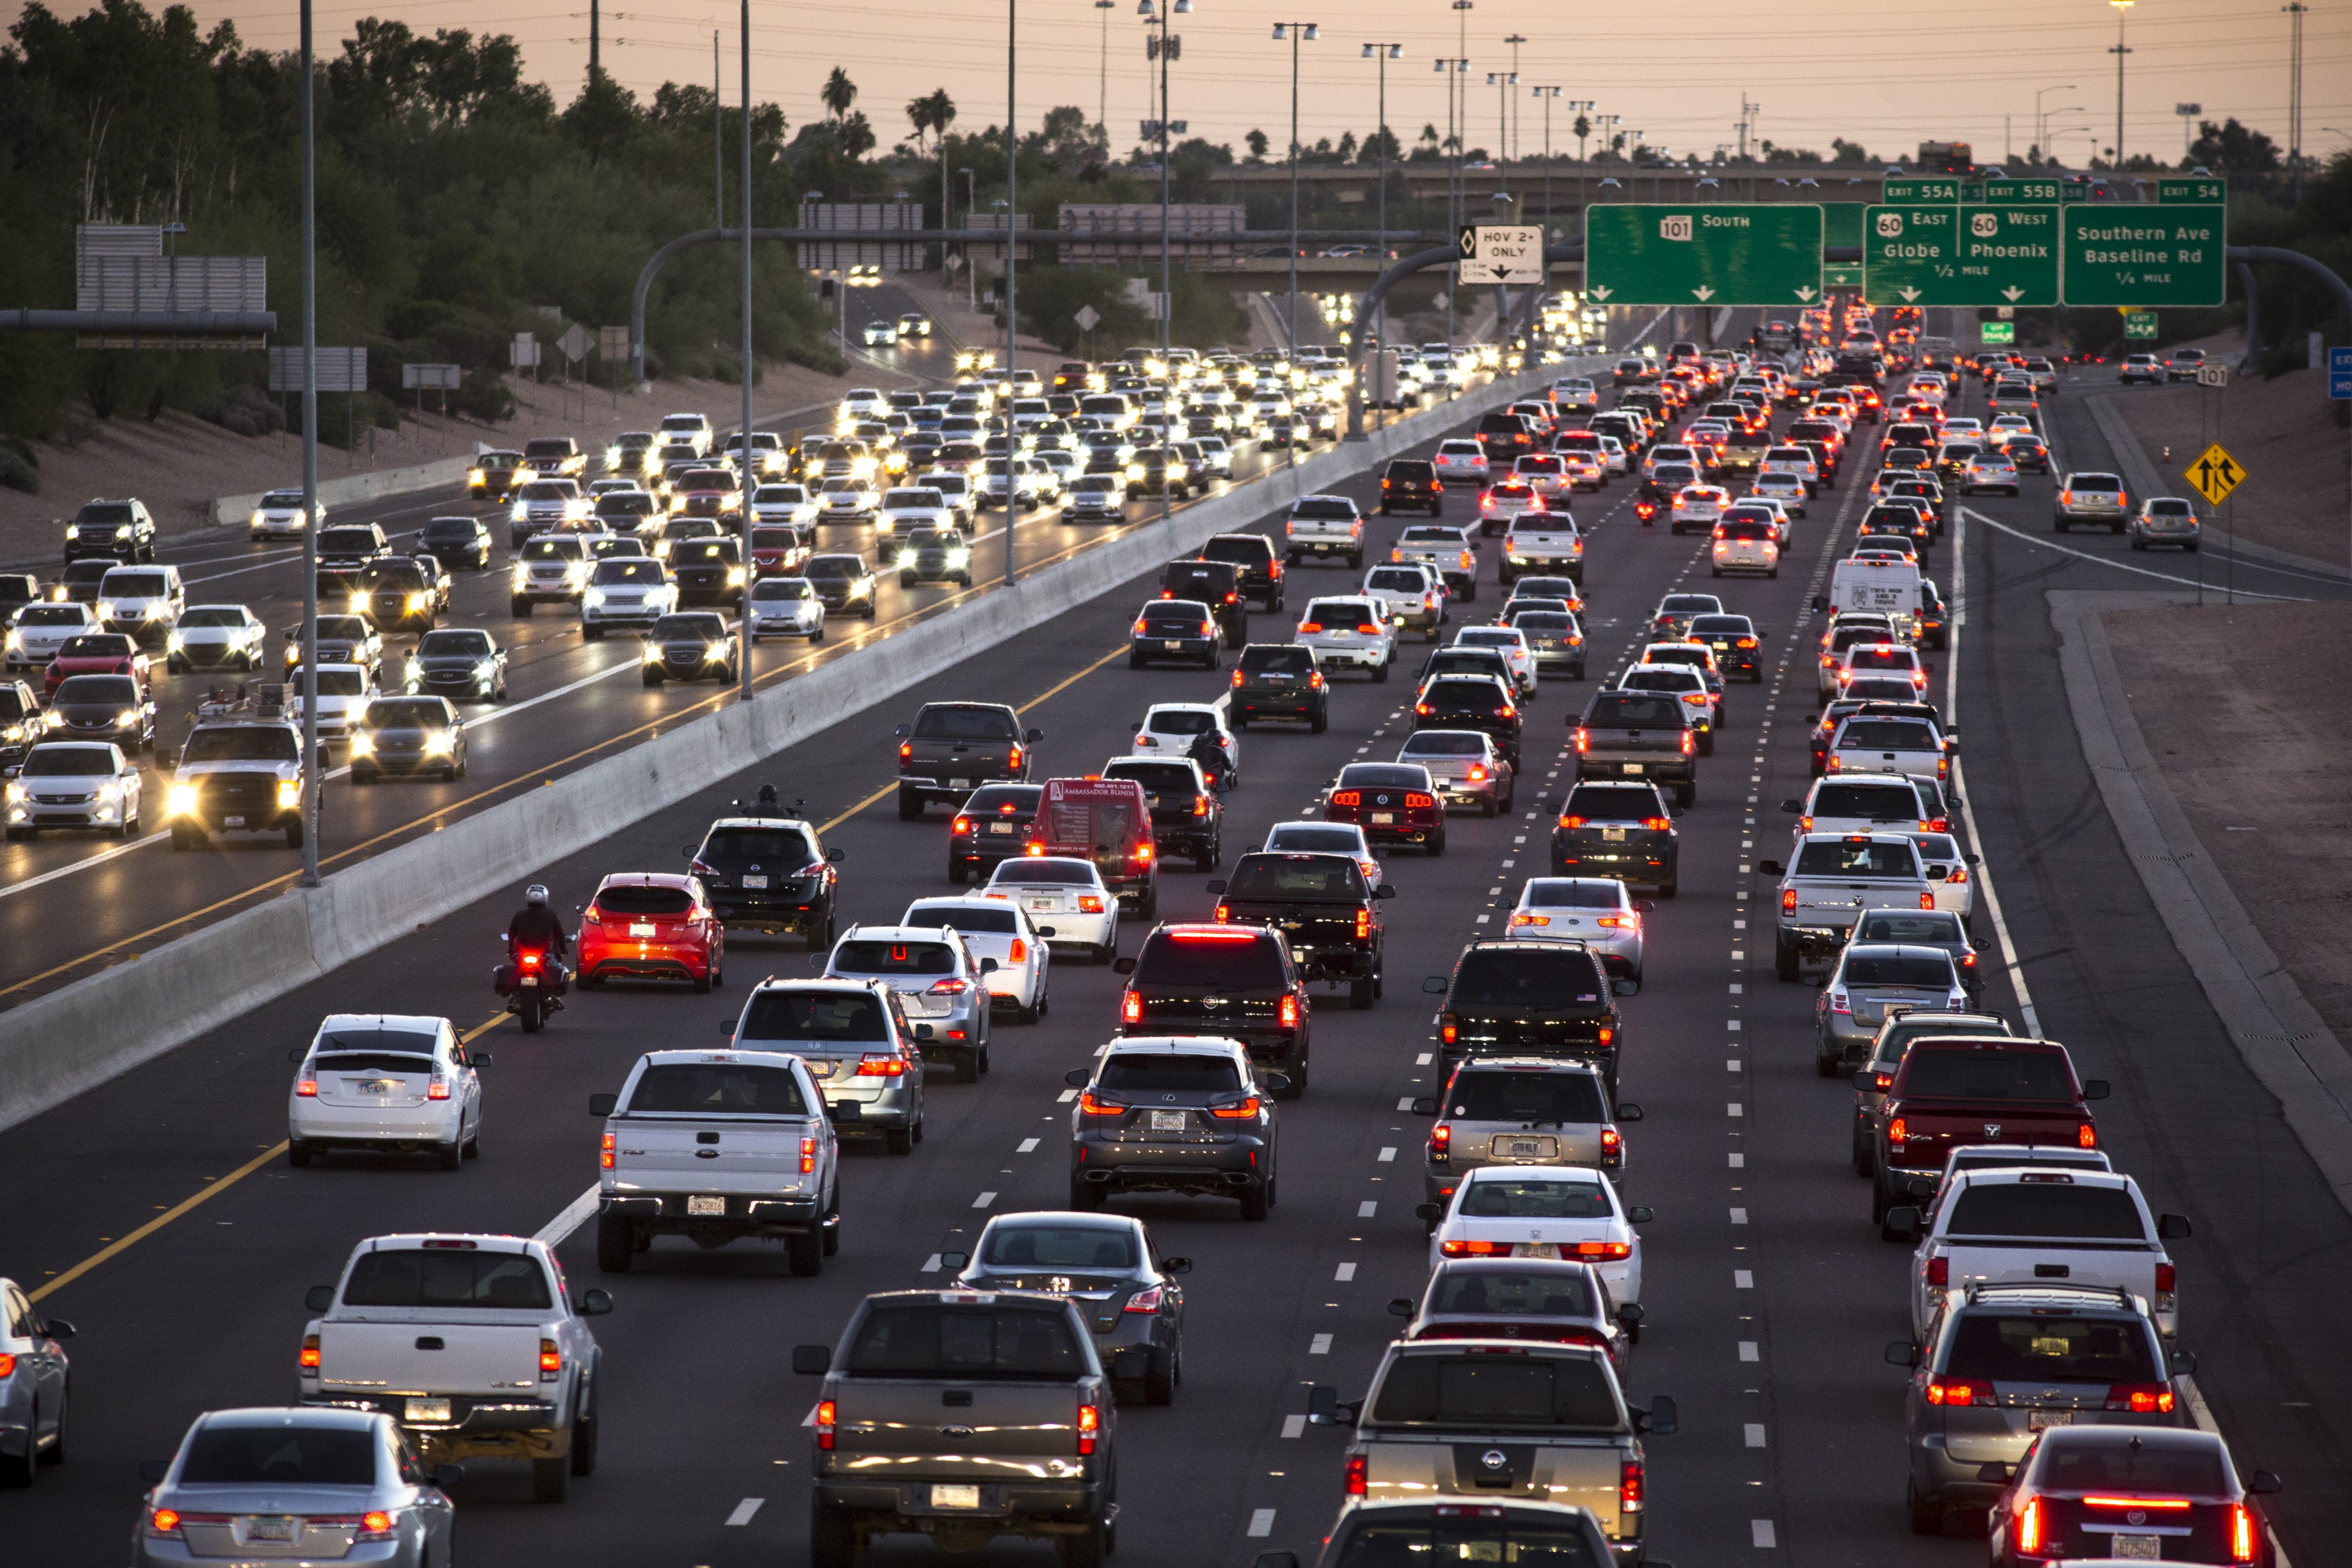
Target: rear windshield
x,y
1871,803
965,724
422,1277
1380,775
1045,872
644,900
1312,836
1889,734
1632,711
1562,1294
1898,969
1317,507
1538,1098
964,918
1475,1393
1176,962
1446,743
279,1455
1521,976
1005,800
1152,1073
717,1089
931,1340
1336,878
1415,472
1534,1197
2052,1210
347,540
1841,858
893,958
2121,1466
1250,550
2000,1348
1900,926
1970,1074
1180,722
787,847
1264,658
852,1015
1027,1244
1165,778
333,682
1574,893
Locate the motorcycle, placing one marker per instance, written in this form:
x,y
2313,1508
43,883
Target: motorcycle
x,y
533,984
1647,510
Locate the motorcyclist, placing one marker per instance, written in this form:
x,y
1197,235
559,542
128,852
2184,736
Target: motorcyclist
x,y
1657,495
1209,752
537,925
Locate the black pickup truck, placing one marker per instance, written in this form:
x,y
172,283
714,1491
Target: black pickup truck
x,y
1325,909
1187,817
1530,999
952,748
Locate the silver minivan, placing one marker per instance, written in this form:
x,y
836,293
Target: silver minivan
x,y
859,1047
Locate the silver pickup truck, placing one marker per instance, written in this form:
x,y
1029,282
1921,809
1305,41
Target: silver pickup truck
x,y
965,1415
469,1342
1545,543
1829,879
1509,1420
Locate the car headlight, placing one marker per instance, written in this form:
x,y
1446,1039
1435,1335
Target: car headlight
x,y
735,576
180,800
73,530
1135,470
105,608
257,520
521,575
16,792
359,601
127,717
439,744
652,653
362,745
714,653
418,602
518,512
290,793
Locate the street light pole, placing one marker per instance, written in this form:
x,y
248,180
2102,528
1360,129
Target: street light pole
x,y
1383,53
744,646
2041,120
1298,33
1102,114
1012,225
2122,10
312,784
971,272
1159,10
1453,69
1515,40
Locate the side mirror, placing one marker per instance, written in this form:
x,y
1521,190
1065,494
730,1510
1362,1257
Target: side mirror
x,y
1122,966
922,1031
1322,1405
1628,1111
2172,1226
1401,1307
449,1477
811,1361
1031,737
2263,1483
595,1303
726,1028
1131,1364
1902,1224
319,1298
1277,1082
687,852
899,733
602,1104
154,1470
819,960
1431,1213
1217,887
1424,1106
1792,806
954,1262
1818,981
57,1329
1922,1187
1175,1266
1819,604
2094,1088
2180,1364
1639,1215
1625,985
1902,1352
1385,890
295,1054
1992,1472
1664,1419
1078,1078
1771,867
835,857
1046,932
1645,906
988,966
1436,986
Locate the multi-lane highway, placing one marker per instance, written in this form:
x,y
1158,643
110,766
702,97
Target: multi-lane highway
x,y
1769,1294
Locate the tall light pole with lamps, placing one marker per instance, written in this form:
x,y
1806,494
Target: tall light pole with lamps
x,y
2189,114
1296,32
1515,40
1102,114
1383,53
2123,11
744,645
1012,223
970,273
1159,11
1452,68
1547,94
311,781
2042,117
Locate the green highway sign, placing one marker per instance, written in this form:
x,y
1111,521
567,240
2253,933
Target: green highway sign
x,y
1997,331
1918,193
2139,324
2009,254
2022,191
2195,191
1841,223
1765,253
1966,255
2143,254
1910,255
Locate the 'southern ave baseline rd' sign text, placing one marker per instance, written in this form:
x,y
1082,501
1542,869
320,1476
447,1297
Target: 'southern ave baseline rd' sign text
x,y
2144,254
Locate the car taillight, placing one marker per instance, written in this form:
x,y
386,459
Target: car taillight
x,y
166,1521
1613,1143
1927,900
2026,1526
2141,1399
309,1356
1355,1478
308,1088
1090,1104
2167,1275
605,1157
1441,1143
1243,1112
907,748
1839,1003
1089,1427
1939,1272
1629,1486
1690,743
825,1412
1898,1131
960,825
1804,824
1788,901
952,987
1583,739
550,1361
1420,803
1959,1393
1012,759
1090,903
2242,1535
1310,625
1237,678
1146,1300
1130,1007
1367,627
2086,1136
808,1149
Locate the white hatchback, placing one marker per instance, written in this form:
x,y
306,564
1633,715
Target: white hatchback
x,y
1170,729
1065,893
1462,459
786,608
1542,1211
998,929
389,1082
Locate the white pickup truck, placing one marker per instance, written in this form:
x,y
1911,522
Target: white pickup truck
x,y
1543,544
1830,880
717,1145
2031,1225
1324,526
471,1344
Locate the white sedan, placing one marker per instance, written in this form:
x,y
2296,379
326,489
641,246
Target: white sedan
x,y
1462,460
1325,838
1512,644
386,1081
786,608
1356,632
1542,1211
1171,729
1599,912
1065,893
1001,929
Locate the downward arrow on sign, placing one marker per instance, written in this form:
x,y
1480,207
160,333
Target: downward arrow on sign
x,y
1806,292
1600,294
1704,295
2012,294
1908,294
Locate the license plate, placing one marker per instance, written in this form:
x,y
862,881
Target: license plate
x,y
958,784
1172,646
641,928
1635,767
955,1497
1535,1249
274,1527
426,1410
232,822
1613,835
2137,1548
530,980
373,1086
2035,1420
1168,1121
706,1206
755,881
1381,818
1277,677
999,828
818,1068
1041,904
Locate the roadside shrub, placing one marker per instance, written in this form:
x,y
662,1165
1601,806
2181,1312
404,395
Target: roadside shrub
x,y
242,411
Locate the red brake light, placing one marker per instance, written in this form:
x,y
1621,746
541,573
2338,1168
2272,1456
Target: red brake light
x,y
1788,901
1420,803
1146,1300
309,1356
605,1157
308,1088
1289,1013
907,748
1241,1112
825,1412
436,1089
1657,823
2141,1399
1356,1479
550,1360
808,1159
1014,760
2086,1136
1090,1106
2166,1277
2244,1537
163,1522
960,826
1363,923
1959,1393
1441,1142
1089,1427
1130,1007
1897,1131
1939,1272
1629,1486
1308,626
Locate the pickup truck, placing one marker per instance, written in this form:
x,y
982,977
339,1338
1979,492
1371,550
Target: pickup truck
x,y
1638,735
1829,879
953,748
1543,544
1322,905
470,1343
1446,551
1503,1421
2035,1226
1323,526
717,1145
965,1415
238,776
1957,1090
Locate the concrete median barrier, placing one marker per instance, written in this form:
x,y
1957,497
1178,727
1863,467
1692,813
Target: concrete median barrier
x,y
69,1040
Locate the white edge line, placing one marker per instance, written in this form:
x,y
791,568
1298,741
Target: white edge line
x,y
555,1232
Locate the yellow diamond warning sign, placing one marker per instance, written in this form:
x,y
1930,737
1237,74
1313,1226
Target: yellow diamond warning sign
x,y
2215,473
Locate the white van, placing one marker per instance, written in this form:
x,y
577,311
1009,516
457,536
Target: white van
x,y
144,601
1889,588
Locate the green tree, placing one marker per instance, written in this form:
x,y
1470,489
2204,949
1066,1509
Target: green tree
x,y
1257,143
838,93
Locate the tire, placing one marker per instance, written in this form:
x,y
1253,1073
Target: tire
x,y
833,1539
1380,672
1254,1205
18,1471
1159,1382
1360,993
1088,1548
1784,960
1487,808
1860,1155
702,983
550,1480
1825,1062
297,1154
1086,1196
653,677
1686,794
966,1068
1437,845
528,1016
898,1140
1320,722
806,1253
1668,889
181,839
1926,1515
451,1154
591,632
616,1244
958,873
910,805
583,1444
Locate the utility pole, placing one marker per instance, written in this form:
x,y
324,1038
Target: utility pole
x,y
1102,114
1515,40
595,39
2294,14
2122,10
1012,313
313,784
1298,33
743,644
2189,114
717,140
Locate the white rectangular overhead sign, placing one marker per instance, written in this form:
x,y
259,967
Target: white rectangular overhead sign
x,y
1502,253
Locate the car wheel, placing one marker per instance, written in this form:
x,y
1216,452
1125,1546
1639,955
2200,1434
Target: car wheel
x,y
1255,1207
298,1152
16,1470
910,805
591,632
966,1068
1360,993
958,873
804,1254
1927,1514
583,1446
1086,1196
833,1539
550,1480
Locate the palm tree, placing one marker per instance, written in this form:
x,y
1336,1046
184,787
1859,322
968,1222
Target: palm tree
x,y
942,111
839,93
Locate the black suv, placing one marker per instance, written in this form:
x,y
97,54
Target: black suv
x,y
1505,437
1156,470
344,552
1619,830
1412,482
769,874
1735,640
1187,817
1471,702
708,570
1530,999
1279,681
395,595
1217,584
1259,560
111,530
457,542
1236,982
1324,910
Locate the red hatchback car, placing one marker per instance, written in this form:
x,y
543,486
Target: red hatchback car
x,y
1394,803
98,653
651,925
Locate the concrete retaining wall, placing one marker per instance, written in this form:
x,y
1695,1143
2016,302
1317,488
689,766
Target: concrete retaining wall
x,y
58,1044
228,510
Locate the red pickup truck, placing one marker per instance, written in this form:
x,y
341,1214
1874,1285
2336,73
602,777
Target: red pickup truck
x,y
1963,1088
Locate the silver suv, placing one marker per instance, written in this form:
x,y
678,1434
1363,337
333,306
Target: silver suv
x,y
1521,1111
937,979
864,1054
2094,499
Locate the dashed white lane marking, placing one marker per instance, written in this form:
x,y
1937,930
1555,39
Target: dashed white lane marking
x,y
1345,1272
1760,1530
1261,1525
1028,1145
930,1265
1731,1064
1405,1103
1755,1433
1368,1208
1424,1059
1732,1024
1739,1161
745,1509
1066,1095
1294,1426
1319,1345
1388,1155
1735,1109
983,1201
1748,1351
1743,1279
1740,1216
